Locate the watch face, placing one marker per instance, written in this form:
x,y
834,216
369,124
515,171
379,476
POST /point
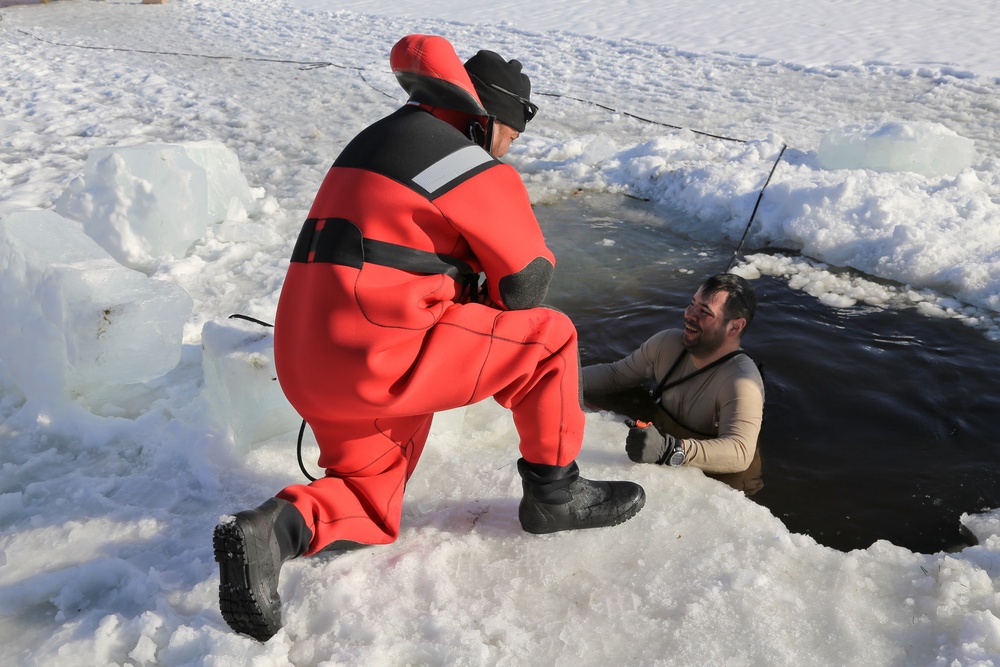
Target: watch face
x,y
676,457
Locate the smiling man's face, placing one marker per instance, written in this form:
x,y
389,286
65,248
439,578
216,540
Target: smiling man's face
x,y
705,323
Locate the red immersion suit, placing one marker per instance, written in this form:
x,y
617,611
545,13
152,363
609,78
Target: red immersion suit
x,y
374,333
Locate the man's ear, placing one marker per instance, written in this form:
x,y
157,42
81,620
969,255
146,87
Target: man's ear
x,y
736,326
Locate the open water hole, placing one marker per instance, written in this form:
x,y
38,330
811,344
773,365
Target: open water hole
x,y
879,424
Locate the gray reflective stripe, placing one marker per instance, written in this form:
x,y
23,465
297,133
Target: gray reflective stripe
x,y
451,167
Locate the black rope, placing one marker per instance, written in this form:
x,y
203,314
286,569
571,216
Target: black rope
x,y
752,215
318,64
760,195
298,452
640,118
305,64
373,87
238,316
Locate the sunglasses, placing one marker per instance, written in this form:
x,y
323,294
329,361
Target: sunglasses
x,y
530,109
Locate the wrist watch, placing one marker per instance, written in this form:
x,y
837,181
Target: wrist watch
x,y
676,456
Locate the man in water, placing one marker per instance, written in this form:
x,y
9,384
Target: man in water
x,y
710,394
382,322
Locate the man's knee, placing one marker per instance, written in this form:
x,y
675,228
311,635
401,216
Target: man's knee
x,y
545,325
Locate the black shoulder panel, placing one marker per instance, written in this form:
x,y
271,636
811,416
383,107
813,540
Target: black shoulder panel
x,y
418,150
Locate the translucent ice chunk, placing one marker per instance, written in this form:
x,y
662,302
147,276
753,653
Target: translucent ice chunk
x,y
241,384
74,321
929,149
142,203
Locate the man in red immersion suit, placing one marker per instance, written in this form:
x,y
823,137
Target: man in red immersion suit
x,y
384,320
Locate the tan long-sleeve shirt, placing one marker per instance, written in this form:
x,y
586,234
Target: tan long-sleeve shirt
x,y
717,413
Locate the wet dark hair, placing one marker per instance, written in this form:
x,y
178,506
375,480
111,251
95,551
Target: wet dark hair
x,y
741,300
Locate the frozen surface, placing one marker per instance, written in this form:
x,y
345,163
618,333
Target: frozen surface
x,y
105,520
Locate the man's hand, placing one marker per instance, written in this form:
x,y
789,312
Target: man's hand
x,y
644,444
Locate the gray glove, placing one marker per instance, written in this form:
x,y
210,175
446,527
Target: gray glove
x,y
644,444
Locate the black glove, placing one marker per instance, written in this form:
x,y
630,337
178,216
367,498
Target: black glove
x,y
644,444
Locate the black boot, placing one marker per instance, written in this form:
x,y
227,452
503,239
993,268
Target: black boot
x,y
557,498
250,550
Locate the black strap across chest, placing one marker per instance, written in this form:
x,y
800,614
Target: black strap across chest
x,y
665,383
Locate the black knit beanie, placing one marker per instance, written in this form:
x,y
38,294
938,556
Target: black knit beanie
x,y
502,88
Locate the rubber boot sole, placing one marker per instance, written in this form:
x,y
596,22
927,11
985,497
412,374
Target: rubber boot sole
x,y
248,578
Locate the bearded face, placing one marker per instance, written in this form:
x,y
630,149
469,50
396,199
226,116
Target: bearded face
x,y
705,323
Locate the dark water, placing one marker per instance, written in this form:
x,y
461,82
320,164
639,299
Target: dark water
x,y
879,424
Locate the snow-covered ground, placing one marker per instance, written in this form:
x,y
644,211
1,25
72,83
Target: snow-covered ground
x,y
106,510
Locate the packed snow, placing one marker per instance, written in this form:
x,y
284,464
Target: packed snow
x,y
156,162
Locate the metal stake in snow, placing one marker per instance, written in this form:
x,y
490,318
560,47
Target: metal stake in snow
x,y
759,197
